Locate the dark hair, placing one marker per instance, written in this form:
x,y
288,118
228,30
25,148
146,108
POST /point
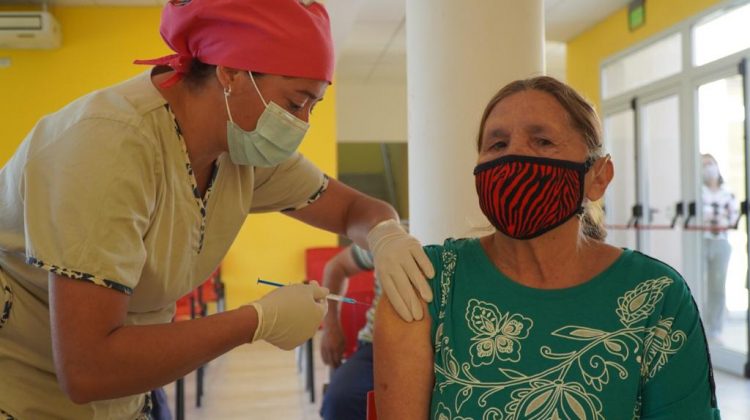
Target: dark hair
x,y
583,118
198,74
201,72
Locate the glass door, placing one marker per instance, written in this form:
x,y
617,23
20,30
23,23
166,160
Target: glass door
x,y
721,138
660,178
621,196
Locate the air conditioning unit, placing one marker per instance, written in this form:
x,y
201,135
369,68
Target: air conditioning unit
x,y
29,30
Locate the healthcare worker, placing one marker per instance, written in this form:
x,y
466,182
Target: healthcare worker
x,y
128,198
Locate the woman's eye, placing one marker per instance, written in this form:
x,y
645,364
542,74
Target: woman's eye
x,y
498,145
295,107
544,142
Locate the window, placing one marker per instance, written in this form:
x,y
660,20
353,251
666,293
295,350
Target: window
x,y
654,62
721,35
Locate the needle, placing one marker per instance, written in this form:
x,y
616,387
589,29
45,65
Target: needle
x,y
337,298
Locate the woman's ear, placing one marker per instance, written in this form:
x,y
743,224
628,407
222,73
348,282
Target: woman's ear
x,y
599,177
226,76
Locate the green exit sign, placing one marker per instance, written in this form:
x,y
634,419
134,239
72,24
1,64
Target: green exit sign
x,y
636,14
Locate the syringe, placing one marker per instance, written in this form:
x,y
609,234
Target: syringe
x,y
331,296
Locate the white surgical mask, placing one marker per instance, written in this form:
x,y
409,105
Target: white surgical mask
x,y
710,173
276,137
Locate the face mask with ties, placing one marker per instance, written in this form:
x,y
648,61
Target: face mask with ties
x,y
276,137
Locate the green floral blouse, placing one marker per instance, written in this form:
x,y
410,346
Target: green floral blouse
x,y
627,344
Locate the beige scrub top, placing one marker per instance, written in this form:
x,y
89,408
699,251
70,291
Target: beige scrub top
x,y
103,191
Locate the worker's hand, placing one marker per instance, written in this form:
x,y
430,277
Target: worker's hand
x,y
400,263
290,315
332,345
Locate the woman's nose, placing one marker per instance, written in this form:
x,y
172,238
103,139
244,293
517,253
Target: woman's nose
x,y
518,146
304,114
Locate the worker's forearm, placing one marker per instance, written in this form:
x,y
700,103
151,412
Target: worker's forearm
x,y
364,213
135,359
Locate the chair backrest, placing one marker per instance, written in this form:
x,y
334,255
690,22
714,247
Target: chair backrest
x,y
209,288
361,287
316,259
185,307
354,316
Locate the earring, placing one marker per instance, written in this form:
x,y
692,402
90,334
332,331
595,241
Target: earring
x,y
227,91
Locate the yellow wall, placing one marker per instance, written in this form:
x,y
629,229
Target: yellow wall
x,y
99,45
587,51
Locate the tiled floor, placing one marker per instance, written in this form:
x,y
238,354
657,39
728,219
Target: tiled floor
x,y
255,381
258,381
733,393
734,333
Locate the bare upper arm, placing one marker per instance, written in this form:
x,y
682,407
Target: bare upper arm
x,y
403,364
82,315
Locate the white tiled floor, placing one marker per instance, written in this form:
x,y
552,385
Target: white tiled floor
x,y
733,393
255,381
258,381
734,333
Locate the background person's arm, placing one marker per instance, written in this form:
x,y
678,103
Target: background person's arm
x,y
335,275
403,358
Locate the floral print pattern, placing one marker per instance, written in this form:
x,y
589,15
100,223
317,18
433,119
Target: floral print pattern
x,y
661,343
596,356
545,399
639,303
497,336
444,413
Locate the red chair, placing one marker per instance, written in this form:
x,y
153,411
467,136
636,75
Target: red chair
x,y
194,305
354,316
188,307
361,288
316,259
371,414
212,290
315,262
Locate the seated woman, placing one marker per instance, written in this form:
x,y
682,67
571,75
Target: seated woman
x,y
542,319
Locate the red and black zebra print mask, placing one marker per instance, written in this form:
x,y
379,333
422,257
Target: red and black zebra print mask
x,y
526,196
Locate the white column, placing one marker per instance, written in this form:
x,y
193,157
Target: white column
x,y
459,54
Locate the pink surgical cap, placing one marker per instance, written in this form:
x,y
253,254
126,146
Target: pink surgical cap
x,y
283,37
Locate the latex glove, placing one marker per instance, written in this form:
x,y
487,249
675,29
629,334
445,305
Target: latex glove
x,y
332,344
290,315
401,265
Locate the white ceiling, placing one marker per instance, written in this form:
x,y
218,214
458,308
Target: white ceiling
x,y
370,37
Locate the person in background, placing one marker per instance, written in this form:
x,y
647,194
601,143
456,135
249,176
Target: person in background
x,y
346,394
720,212
542,319
123,201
